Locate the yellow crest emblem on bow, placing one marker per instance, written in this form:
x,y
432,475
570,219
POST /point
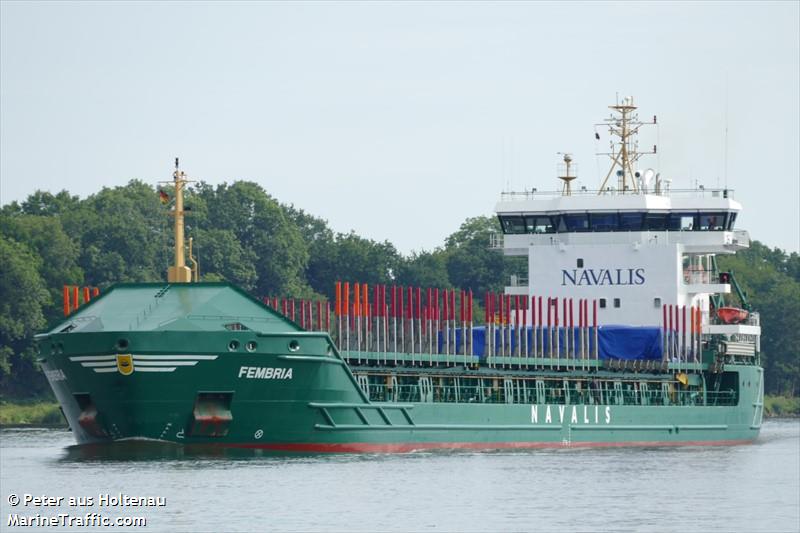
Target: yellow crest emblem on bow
x,y
125,364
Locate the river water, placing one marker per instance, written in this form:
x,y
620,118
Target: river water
x,y
739,488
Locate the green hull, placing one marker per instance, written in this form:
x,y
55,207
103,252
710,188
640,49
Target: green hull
x,y
295,393
322,408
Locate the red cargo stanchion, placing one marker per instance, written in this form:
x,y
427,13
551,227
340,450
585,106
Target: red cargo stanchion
x,y
571,331
691,331
376,294
445,328
338,299
471,338
490,326
419,319
556,326
594,325
344,320
677,338
75,303
66,300
683,333
665,342
671,329
436,320
346,299
524,325
534,340
95,292
366,307
699,334
410,318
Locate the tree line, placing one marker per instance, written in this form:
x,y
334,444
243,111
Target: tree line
x,y
245,236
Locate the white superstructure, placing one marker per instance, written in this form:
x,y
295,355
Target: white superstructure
x,y
634,247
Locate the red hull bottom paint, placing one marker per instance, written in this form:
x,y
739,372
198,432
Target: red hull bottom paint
x,y
365,447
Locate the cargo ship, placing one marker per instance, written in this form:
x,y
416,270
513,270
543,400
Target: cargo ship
x,y
622,332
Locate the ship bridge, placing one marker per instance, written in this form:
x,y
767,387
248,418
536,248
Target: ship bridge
x,y
702,220
635,246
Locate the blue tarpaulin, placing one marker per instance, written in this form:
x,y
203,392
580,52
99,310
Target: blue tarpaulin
x,y
630,342
616,342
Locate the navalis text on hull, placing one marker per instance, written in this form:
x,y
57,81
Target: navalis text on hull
x,y
622,332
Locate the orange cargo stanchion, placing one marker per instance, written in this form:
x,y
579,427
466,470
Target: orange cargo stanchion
x,y
66,300
75,302
86,296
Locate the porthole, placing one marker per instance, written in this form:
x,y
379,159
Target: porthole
x,y
294,346
233,346
122,344
251,346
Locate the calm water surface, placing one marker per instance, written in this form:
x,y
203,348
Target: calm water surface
x,y
740,488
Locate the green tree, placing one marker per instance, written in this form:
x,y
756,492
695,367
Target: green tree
x,y
43,203
424,269
222,258
472,264
123,234
58,254
260,226
23,297
767,278
349,257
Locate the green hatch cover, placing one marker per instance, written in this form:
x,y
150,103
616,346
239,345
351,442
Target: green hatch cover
x,y
175,307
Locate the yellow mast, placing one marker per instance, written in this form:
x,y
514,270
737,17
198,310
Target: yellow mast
x,y
179,272
625,126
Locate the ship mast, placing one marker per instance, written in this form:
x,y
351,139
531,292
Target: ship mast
x,y
566,177
624,153
179,272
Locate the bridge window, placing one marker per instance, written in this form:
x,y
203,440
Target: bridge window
x,y
630,221
577,221
540,224
711,221
604,221
682,221
513,224
537,223
656,221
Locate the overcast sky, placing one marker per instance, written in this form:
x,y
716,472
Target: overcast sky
x,y
400,120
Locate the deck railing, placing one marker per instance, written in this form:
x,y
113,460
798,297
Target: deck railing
x,y
535,194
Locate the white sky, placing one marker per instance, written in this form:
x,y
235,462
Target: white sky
x,y
399,120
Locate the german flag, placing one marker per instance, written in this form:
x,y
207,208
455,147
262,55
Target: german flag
x,y
164,197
